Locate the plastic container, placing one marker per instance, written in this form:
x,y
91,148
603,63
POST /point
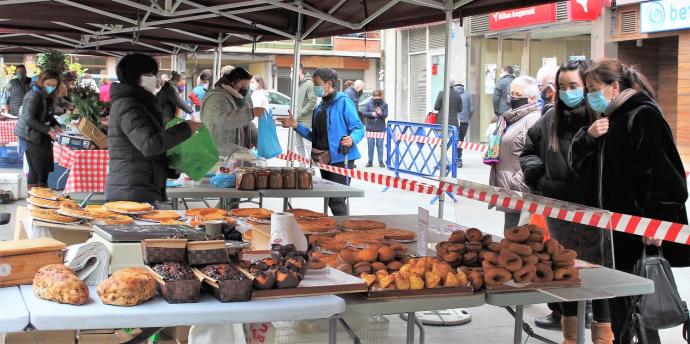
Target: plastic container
x,y
10,158
11,182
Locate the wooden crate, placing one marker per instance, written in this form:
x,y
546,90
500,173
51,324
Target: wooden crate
x,y
21,259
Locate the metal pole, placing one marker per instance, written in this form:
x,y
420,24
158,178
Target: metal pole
x,y
519,314
446,103
219,60
295,79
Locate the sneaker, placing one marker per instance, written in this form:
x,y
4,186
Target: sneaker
x,y
382,164
551,321
369,164
459,163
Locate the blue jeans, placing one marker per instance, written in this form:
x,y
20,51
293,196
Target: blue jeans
x,y
379,148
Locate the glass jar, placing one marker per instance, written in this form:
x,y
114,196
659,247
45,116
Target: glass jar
x,y
275,179
246,179
289,178
262,176
304,180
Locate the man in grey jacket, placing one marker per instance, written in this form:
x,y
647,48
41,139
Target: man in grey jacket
x,y
464,117
306,102
16,90
502,91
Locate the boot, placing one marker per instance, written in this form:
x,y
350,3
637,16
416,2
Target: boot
x,y
550,321
569,326
601,333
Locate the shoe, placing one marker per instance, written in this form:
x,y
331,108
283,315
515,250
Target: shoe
x,y
382,164
369,164
551,321
569,325
459,163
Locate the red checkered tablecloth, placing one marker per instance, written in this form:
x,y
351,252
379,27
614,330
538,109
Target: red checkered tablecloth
x,y
87,168
7,131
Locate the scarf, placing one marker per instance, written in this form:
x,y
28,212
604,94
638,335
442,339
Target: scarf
x,y
492,155
619,100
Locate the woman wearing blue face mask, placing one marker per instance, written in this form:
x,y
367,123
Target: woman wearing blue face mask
x,y
169,99
635,169
37,127
544,162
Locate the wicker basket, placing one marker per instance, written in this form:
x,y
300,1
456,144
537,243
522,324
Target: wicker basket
x,y
88,129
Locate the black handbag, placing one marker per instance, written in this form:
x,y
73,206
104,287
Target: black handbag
x,y
662,309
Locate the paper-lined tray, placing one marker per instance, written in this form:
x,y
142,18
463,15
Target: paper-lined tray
x,y
513,287
407,294
327,281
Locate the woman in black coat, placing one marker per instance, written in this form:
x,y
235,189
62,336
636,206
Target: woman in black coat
x,y
137,139
635,168
169,99
37,127
544,162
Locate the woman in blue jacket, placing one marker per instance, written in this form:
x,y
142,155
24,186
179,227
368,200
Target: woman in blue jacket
x,y
336,129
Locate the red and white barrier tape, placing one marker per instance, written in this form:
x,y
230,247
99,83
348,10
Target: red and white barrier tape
x,y
603,219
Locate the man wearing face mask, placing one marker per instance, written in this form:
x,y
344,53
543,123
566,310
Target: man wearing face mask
x,y
336,129
203,86
16,90
227,113
137,140
546,77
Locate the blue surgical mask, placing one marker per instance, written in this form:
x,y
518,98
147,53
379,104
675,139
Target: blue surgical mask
x,y
49,89
597,101
572,98
252,87
318,91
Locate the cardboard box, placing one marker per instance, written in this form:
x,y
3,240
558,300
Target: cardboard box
x,y
90,130
41,337
76,142
179,333
97,337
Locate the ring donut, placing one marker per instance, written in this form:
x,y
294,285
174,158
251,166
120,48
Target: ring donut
x,y
551,246
487,239
564,264
491,257
564,274
526,274
510,260
497,276
544,257
474,234
476,279
522,250
459,235
535,246
494,247
531,259
474,246
535,237
536,233
565,256
517,234
470,258
456,247
544,273
486,265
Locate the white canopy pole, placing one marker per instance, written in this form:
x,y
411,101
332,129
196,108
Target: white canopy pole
x,y
295,79
446,102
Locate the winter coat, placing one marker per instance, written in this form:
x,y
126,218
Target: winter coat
x,y
454,108
306,100
502,94
351,93
169,100
376,123
104,95
507,172
15,92
36,118
137,144
342,121
465,116
228,116
635,169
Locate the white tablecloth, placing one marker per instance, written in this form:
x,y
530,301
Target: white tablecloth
x,y
47,315
14,316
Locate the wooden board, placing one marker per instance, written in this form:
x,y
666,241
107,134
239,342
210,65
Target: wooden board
x,y
20,269
15,247
533,286
407,294
327,281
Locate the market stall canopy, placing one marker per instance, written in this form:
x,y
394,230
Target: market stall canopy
x,y
171,26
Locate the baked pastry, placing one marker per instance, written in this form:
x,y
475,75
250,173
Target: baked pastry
x,y
73,210
51,215
98,211
158,215
317,225
127,287
362,225
114,219
203,212
257,213
357,238
369,279
394,234
386,254
43,203
59,283
173,271
222,272
305,213
127,207
44,193
328,243
171,222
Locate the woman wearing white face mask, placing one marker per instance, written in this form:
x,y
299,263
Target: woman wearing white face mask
x,y
259,94
37,127
137,141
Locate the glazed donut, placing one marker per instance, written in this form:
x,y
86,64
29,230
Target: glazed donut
x,y
476,279
517,234
474,246
544,273
509,260
535,246
564,264
459,234
544,257
551,246
474,234
457,238
456,247
486,265
527,274
497,276
522,250
494,247
470,258
565,256
452,257
531,259
487,239
491,257
441,251
563,274
535,237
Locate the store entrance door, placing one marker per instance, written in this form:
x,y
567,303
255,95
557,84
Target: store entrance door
x,y
436,78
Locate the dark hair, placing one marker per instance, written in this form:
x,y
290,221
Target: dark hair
x,y
234,76
348,83
130,69
176,76
47,75
206,75
20,66
609,71
377,93
260,81
577,65
508,69
326,74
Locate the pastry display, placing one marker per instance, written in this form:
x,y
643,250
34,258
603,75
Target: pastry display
x,y
285,269
44,193
59,283
417,274
174,271
222,272
373,258
394,234
50,215
203,212
317,225
127,287
362,225
73,210
257,213
44,203
113,219
305,213
127,207
160,215
98,211
361,238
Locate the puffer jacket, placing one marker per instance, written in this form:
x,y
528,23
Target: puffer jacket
x,y
16,90
507,172
137,144
501,95
36,118
228,116
454,108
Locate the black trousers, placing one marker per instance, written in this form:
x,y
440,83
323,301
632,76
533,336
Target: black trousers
x,y
40,159
620,309
462,132
600,310
338,205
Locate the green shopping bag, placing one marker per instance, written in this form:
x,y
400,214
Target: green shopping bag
x,y
195,156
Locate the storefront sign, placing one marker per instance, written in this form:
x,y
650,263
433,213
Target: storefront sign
x,y
664,15
584,9
521,17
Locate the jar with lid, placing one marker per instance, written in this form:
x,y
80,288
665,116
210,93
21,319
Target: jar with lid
x,y
262,176
275,179
289,178
246,179
304,179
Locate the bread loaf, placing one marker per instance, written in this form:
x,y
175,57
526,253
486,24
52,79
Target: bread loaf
x,y
127,287
56,282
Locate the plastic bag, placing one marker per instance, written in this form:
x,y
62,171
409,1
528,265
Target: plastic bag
x,y
223,181
197,155
269,146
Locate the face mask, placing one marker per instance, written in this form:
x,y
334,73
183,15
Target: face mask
x,y
572,98
378,101
205,86
21,75
148,83
597,101
252,87
318,91
180,88
49,89
360,93
518,102
244,91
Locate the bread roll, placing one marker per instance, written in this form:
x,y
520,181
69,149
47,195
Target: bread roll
x,y
56,282
127,287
